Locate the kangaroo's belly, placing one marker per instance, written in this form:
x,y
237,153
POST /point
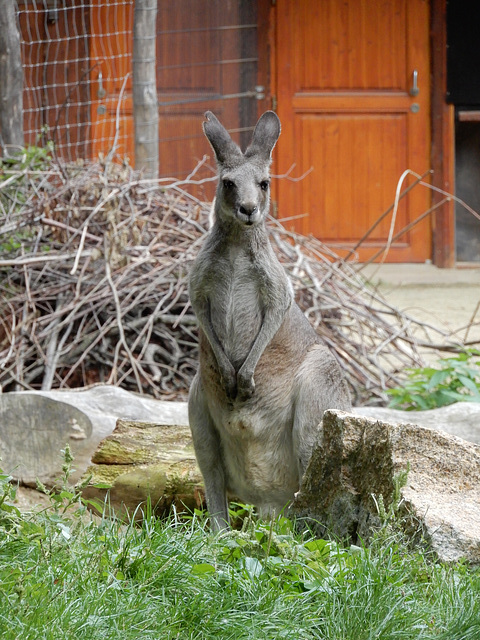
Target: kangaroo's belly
x,y
257,449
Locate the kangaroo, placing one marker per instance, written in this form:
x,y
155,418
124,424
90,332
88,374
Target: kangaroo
x,y
264,378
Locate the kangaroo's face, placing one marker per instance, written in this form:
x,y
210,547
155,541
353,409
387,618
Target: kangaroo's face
x,y
243,192
244,179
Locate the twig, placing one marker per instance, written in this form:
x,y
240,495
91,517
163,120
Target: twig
x,y
80,250
19,262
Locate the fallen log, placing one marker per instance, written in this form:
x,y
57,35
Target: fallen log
x,y
145,461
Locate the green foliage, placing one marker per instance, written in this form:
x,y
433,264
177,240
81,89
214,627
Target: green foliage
x,y
15,190
390,516
31,157
456,380
67,575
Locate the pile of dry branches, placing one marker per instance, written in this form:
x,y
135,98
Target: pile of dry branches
x,y
93,287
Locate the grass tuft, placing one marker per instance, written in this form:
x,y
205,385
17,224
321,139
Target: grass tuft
x,y
66,575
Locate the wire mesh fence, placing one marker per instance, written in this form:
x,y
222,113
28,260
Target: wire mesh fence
x,y
64,45
77,59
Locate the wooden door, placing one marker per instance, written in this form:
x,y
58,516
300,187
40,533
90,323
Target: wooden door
x,y
344,75
206,59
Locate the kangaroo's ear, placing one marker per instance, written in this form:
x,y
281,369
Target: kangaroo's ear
x,y
265,136
224,147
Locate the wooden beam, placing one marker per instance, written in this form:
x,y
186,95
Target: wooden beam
x,y
443,141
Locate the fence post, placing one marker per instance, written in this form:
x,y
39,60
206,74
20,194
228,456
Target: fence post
x,y
145,103
11,79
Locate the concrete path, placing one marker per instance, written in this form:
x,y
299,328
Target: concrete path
x,y
447,298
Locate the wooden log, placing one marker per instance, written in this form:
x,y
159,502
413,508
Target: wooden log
x,y
145,460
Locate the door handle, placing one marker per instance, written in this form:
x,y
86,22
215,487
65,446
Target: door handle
x,y
101,93
414,91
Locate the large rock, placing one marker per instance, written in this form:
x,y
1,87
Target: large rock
x,y
34,429
36,425
358,456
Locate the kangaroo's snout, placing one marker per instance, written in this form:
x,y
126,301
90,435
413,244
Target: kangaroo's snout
x,y
248,209
248,213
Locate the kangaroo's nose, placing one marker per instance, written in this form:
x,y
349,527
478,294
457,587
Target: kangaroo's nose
x,y
248,209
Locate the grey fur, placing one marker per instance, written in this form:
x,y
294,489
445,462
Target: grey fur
x,y
265,378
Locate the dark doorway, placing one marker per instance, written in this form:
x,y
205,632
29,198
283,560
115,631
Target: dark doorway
x,y
463,90
467,179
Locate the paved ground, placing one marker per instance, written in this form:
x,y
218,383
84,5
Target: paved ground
x,y
447,298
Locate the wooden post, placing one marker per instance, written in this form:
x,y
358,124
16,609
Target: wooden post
x,y
11,79
145,103
443,144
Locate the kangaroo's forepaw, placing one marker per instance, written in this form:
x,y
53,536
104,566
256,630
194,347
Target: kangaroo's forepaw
x,y
230,385
245,386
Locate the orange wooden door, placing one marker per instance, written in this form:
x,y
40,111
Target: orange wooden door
x,y
206,59
344,75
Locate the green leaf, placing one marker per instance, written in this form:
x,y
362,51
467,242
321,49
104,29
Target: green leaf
x,y
319,545
203,569
67,495
10,508
437,378
253,567
454,395
420,401
469,384
96,504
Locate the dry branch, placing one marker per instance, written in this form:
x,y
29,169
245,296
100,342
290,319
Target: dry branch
x,y
93,287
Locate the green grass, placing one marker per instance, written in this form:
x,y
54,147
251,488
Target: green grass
x,y
65,576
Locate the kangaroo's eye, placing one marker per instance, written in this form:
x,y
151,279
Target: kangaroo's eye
x,y
264,185
228,184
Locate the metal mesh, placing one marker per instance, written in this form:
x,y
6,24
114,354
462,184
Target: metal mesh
x,y
62,75
77,59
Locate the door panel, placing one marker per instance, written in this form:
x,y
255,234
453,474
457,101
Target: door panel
x,y
206,59
335,141
345,70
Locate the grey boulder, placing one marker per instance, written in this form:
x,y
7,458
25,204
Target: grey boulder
x,y
357,458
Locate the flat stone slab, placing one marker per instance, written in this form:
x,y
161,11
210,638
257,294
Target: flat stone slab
x,y
461,419
36,425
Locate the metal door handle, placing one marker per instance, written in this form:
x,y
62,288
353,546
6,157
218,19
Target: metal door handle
x,y
101,92
414,91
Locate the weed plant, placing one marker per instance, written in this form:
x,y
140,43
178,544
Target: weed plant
x,y
16,190
456,380
65,575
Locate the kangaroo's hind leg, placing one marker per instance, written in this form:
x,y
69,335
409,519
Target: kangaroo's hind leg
x,y
207,447
319,385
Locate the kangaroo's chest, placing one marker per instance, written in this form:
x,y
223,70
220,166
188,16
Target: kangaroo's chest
x,y
236,306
